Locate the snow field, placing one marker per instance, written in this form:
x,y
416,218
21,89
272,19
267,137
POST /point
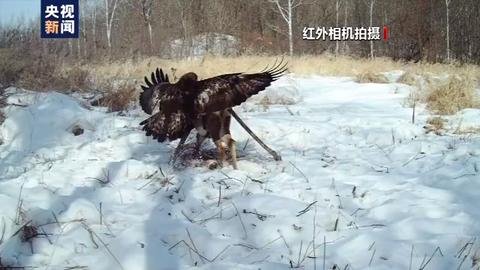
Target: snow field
x,y
358,182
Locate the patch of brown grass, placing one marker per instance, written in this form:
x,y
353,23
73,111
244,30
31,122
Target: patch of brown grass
x,y
451,95
267,101
117,97
409,78
467,131
370,77
364,70
213,65
76,78
280,100
435,125
39,74
11,67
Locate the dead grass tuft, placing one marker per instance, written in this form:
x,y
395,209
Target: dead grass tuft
x,y
38,73
435,125
409,78
10,67
467,131
280,100
76,78
118,96
451,95
370,77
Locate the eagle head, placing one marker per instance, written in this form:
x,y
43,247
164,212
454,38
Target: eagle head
x,y
188,81
190,76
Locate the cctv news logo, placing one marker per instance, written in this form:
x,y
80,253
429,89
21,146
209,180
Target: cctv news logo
x,y
59,19
345,33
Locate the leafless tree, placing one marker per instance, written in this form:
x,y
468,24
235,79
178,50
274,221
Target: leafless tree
x,y
110,7
286,11
345,24
372,2
337,8
147,7
94,29
447,38
183,7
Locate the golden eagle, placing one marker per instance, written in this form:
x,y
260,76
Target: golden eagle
x,y
205,105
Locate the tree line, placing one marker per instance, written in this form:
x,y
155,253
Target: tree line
x,y
430,30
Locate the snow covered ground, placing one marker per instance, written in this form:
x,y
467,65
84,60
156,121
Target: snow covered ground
x,y
359,187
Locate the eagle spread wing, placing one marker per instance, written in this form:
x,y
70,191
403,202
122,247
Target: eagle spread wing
x,y
151,92
229,90
165,102
176,106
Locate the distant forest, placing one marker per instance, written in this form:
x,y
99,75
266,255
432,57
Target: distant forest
x,y
430,30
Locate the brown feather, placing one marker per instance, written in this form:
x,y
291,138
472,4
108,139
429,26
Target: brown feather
x,y
163,126
226,91
150,92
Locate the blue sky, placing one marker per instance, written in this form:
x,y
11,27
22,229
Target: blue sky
x,y
14,11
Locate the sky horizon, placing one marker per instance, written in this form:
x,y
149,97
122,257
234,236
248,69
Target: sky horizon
x,y
14,12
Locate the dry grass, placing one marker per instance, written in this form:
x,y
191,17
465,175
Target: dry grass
x,y
445,89
449,96
76,78
211,66
118,96
280,100
267,101
409,78
300,65
370,77
467,131
435,125
442,97
366,69
38,73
